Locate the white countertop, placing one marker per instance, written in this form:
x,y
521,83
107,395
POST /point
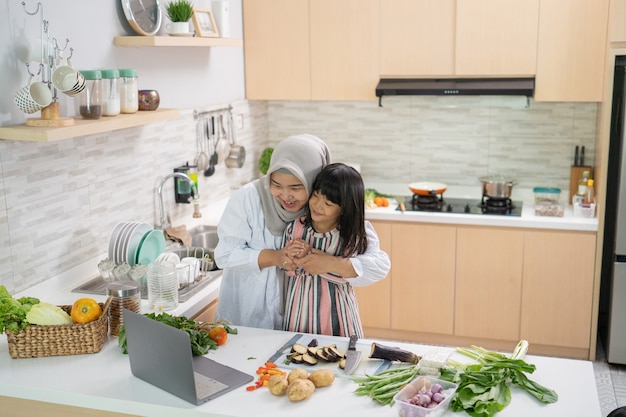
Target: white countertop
x,y
526,220
103,381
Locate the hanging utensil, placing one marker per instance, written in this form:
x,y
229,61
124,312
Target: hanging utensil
x,y
210,170
237,153
202,159
214,139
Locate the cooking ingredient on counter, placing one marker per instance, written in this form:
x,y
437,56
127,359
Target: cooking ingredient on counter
x,y
46,314
370,199
198,332
300,389
13,311
85,310
322,378
392,353
309,355
219,335
483,388
383,386
381,201
429,395
265,373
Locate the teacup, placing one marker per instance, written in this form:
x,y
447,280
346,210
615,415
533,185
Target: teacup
x,y
178,28
33,97
68,80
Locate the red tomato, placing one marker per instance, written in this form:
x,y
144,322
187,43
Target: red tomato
x,y
219,335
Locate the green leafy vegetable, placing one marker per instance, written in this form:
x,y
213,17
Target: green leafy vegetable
x,y
201,343
264,161
483,388
383,386
371,193
13,312
46,314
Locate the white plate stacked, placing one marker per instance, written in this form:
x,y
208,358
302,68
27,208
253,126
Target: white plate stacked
x,y
124,241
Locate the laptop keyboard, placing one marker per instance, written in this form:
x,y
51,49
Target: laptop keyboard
x,y
206,386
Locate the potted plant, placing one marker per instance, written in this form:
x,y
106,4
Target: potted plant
x,y
179,10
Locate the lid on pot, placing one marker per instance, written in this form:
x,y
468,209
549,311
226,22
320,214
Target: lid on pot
x,y
496,178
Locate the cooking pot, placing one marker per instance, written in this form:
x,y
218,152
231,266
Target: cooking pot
x,y
427,188
236,156
496,186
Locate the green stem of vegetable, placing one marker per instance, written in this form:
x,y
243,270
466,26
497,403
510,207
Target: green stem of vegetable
x,y
382,387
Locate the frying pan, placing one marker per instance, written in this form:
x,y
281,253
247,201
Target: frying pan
x,y
427,188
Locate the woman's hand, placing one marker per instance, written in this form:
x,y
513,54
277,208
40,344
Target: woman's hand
x,y
318,262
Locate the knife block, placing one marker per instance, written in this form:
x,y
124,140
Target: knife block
x,y
576,172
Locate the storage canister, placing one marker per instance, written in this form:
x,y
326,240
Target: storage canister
x,y
124,294
91,97
162,286
110,92
129,98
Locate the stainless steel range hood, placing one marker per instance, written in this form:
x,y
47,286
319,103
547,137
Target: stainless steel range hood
x,y
455,87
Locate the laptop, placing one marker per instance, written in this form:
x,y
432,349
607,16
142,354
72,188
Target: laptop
x,y
161,355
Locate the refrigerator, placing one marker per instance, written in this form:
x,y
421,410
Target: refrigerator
x,y
612,317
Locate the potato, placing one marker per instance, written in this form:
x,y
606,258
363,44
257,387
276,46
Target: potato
x,y
300,389
297,373
322,377
277,384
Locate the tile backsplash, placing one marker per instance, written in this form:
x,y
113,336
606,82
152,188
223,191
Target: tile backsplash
x,y
59,201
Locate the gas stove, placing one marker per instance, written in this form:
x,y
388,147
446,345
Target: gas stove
x,y
486,205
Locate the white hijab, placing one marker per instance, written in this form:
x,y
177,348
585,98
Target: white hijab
x,y
303,156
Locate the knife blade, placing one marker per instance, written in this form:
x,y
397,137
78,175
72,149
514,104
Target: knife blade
x,y
582,156
353,356
576,156
284,347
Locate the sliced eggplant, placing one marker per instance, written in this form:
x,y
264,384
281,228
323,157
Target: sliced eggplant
x,y
297,358
332,357
298,348
335,352
309,359
313,343
321,354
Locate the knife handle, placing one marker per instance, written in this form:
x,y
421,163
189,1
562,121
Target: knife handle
x,y
353,340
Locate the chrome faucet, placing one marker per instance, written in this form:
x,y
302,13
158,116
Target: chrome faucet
x,y
164,218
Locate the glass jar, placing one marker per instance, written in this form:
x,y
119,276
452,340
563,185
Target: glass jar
x,y
129,89
162,286
91,97
124,294
110,92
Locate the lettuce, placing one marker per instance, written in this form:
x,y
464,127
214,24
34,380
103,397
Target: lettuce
x,y
47,314
13,312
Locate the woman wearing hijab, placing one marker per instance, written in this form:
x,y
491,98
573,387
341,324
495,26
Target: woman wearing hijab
x,y
251,229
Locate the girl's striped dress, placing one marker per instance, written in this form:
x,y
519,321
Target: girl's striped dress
x,y
319,304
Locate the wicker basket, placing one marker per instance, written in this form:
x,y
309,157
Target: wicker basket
x,y
66,339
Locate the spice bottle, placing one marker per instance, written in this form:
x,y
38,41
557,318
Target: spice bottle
x,y
129,91
590,197
110,92
91,97
124,294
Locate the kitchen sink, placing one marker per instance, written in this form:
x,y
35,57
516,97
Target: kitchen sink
x,y
203,241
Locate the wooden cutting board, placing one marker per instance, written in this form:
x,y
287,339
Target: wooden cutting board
x,y
366,366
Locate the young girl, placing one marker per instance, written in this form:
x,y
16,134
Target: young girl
x,y
324,244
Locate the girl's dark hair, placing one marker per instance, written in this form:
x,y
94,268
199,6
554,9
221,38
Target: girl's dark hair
x,y
618,412
343,185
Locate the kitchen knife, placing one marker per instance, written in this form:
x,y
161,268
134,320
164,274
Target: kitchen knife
x,y
582,156
576,156
353,356
288,344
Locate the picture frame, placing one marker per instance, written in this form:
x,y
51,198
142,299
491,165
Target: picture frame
x,y
204,23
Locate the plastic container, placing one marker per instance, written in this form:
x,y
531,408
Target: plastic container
x,y
110,92
90,106
547,209
584,210
124,294
406,409
547,194
129,90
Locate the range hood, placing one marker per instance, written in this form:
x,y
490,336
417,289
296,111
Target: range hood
x,y
454,87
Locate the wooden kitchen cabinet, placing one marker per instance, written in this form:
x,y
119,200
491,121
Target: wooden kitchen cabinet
x,y
344,49
417,38
207,314
557,290
277,52
617,21
488,283
571,50
375,300
423,285
458,38
496,37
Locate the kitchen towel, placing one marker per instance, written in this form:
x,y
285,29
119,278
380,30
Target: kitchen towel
x,y
178,234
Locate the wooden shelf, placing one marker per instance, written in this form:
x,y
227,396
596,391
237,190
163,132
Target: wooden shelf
x,y
174,41
84,127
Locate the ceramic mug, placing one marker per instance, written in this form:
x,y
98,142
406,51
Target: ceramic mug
x,y
178,28
33,97
194,267
68,80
